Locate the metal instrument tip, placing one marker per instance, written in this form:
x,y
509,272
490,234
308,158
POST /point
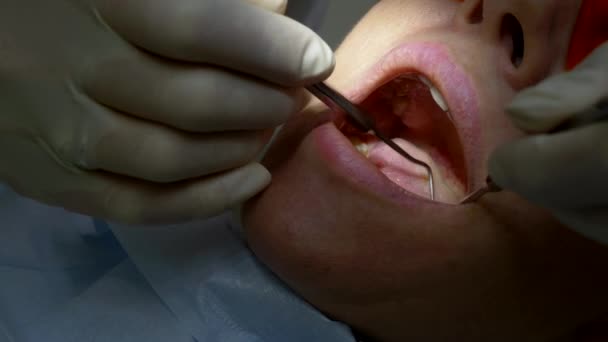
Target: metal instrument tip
x,y
488,188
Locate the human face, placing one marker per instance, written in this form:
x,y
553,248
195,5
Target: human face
x,y
362,243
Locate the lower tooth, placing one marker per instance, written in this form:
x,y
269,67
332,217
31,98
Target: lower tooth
x,y
363,149
426,81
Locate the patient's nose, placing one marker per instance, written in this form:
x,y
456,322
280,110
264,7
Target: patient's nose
x,y
495,25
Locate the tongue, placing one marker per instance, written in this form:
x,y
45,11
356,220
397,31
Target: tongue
x,y
410,176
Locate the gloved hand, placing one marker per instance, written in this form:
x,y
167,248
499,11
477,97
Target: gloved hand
x,y
147,111
565,172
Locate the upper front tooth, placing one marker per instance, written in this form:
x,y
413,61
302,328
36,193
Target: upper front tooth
x,y
441,102
426,81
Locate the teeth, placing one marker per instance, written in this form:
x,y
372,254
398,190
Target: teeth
x,y
362,147
441,102
439,99
426,81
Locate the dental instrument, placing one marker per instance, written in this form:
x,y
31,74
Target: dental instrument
x,y
598,113
336,101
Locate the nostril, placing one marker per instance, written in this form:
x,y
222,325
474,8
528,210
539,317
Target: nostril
x,y
476,15
512,36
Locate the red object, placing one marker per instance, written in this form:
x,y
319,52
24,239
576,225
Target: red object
x,y
591,31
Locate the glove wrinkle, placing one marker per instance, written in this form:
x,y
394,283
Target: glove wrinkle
x,y
564,171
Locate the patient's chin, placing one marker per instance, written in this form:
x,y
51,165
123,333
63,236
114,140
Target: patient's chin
x,y
426,284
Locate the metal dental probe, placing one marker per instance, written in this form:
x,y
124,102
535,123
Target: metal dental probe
x,y
335,100
598,113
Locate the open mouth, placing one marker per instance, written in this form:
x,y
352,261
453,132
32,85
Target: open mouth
x,y
411,111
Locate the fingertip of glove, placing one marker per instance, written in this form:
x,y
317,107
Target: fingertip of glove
x,y
546,105
537,110
318,60
247,181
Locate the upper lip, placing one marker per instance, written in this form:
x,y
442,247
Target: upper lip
x,y
433,61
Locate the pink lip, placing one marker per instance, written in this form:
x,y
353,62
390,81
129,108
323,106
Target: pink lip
x,y
435,62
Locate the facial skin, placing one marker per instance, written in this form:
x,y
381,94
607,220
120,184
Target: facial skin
x,y
398,268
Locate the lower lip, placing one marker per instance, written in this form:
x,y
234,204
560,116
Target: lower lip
x,y
343,159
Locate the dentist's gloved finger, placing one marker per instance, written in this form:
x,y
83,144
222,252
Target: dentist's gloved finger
x,y
546,106
124,199
229,33
566,170
151,152
136,203
277,6
195,99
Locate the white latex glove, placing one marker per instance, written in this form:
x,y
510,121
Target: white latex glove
x,y
147,111
565,172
